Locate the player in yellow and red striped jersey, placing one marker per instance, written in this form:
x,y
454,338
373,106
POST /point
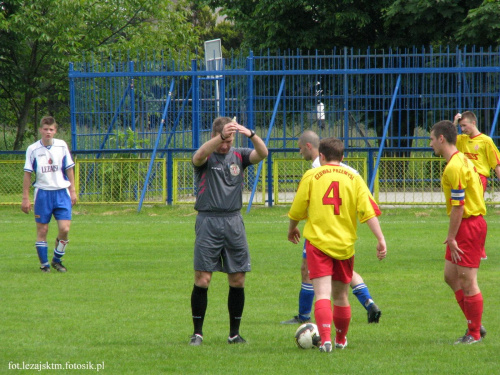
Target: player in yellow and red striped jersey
x,y
466,237
332,198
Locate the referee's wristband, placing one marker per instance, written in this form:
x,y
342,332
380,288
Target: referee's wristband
x,y
252,133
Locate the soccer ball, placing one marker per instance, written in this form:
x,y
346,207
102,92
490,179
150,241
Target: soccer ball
x,y
307,336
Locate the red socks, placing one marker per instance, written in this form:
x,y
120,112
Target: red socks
x,y
473,310
341,317
459,295
324,316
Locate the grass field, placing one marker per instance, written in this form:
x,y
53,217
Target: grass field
x,y
125,301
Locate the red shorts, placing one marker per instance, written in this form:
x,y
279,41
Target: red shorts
x,y
319,264
470,238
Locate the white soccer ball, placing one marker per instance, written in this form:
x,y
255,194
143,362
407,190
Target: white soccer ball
x,y
307,336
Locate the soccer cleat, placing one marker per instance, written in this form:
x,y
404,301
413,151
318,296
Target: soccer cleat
x,y
374,313
236,340
468,339
296,320
58,266
196,340
326,347
45,269
482,331
340,346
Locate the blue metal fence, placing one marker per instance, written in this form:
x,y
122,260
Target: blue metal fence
x,y
381,102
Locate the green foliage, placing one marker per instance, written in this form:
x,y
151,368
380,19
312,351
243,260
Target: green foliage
x,y
38,40
326,24
482,24
125,298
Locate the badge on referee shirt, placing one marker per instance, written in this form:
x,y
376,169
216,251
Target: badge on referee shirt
x,y
234,169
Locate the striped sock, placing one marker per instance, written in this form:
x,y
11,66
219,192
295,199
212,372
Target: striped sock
x,y
363,295
42,250
59,250
306,298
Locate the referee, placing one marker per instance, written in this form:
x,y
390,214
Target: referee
x,y
221,243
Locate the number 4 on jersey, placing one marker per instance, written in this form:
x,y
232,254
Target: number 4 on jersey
x,y
332,197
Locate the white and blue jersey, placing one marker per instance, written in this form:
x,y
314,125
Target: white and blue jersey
x,y
49,164
51,181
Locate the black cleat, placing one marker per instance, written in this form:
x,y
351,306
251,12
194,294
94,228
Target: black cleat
x,y
196,340
374,313
482,331
58,266
45,269
468,339
236,340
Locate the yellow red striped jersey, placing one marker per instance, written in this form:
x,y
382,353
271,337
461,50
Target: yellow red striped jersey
x,y
332,198
462,186
481,150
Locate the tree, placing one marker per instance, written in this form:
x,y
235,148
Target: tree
x,y
305,24
481,26
325,24
39,38
427,22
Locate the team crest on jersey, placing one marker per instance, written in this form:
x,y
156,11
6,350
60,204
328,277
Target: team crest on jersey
x,y
476,147
50,161
234,169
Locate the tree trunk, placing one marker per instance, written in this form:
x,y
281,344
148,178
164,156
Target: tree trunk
x,y
22,120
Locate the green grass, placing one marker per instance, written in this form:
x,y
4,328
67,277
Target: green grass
x,y
125,300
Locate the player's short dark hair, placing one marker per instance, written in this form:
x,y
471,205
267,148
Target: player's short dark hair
x,y
332,149
468,115
48,120
447,130
219,123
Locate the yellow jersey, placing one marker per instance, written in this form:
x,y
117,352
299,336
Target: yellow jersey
x,y
462,186
332,198
481,150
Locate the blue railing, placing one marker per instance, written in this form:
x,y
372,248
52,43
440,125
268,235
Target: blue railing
x,y
356,91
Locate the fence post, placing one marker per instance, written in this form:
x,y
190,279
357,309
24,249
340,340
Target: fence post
x,y
270,177
250,120
170,173
196,107
132,98
72,107
346,101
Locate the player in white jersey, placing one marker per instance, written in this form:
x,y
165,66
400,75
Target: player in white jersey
x,y
309,149
54,194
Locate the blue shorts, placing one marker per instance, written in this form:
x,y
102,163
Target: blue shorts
x,y
304,254
52,202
